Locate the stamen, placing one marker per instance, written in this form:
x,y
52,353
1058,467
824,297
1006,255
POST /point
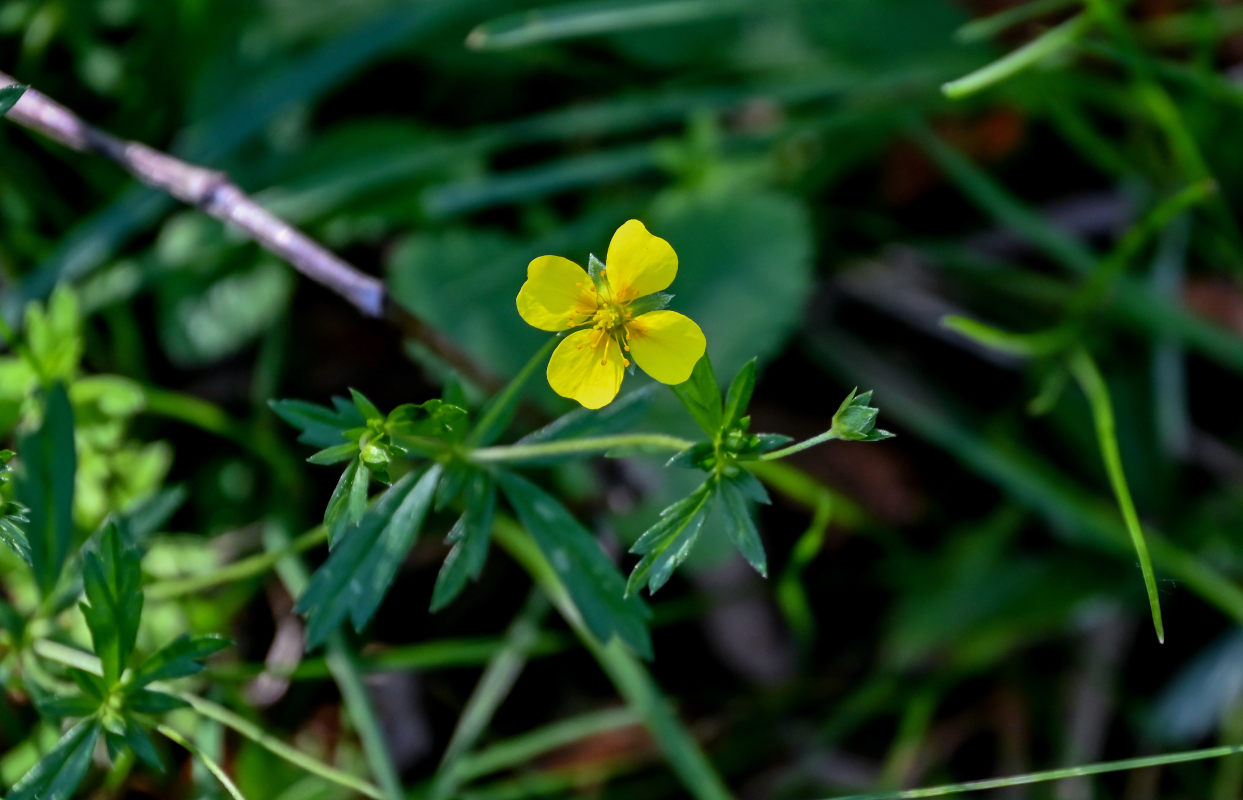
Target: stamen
x,y
626,361
604,362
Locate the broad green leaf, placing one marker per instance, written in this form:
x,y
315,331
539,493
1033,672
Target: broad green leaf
x,y
739,395
469,537
669,541
702,397
58,774
45,487
354,579
740,526
9,96
597,588
319,426
112,580
181,657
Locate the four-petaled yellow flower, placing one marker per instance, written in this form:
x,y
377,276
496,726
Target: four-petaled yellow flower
x,y
589,365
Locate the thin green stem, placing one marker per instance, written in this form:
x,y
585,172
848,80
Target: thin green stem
x,y
987,27
528,746
494,686
246,568
1053,774
1089,378
591,444
70,656
799,447
1053,41
209,762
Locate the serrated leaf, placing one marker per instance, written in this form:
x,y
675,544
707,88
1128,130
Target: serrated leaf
x,y
181,657
354,579
45,488
149,701
470,537
58,774
740,526
9,95
668,542
595,585
738,397
112,581
319,426
702,397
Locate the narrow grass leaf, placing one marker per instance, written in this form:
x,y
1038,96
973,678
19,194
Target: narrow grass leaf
x,y
1094,388
1052,42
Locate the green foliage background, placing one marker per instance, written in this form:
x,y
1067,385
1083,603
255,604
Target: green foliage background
x,y
960,602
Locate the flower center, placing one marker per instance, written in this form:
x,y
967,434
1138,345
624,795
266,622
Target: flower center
x,y
607,318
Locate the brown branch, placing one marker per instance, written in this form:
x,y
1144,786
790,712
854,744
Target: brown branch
x,y
216,195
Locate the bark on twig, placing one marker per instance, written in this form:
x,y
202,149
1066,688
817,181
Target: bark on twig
x,y
215,194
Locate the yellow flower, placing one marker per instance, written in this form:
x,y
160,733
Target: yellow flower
x,y
588,366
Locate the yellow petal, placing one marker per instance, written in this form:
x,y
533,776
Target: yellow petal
x,y
639,263
587,367
556,295
666,345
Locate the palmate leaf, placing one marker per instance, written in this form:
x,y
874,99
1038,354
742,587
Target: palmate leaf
x,y
57,775
595,585
45,488
668,542
469,537
112,580
320,426
181,657
357,574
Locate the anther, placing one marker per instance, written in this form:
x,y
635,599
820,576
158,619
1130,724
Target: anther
x,y
604,362
625,362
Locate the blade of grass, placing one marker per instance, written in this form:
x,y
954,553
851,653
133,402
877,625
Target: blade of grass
x,y
978,30
1046,45
215,769
577,20
494,686
1094,388
1123,765
527,747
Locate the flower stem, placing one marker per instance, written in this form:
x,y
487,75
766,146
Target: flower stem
x,y
593,444
799,446
239,570
209,762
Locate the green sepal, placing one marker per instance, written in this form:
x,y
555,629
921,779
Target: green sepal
x,y
855,420
595,271
649,303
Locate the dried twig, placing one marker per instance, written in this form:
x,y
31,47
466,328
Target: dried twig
x,y
215,194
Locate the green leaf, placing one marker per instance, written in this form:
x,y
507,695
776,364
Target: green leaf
x,y
739,524
697,456
11,534
434,418
469,537
357,574
149,701
181,657
140,743
45,487
620,415
58,774
334,455
365,407
9,96
77,705
702,397
112,580
739,395
348,502
595,585
669,541
319,426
